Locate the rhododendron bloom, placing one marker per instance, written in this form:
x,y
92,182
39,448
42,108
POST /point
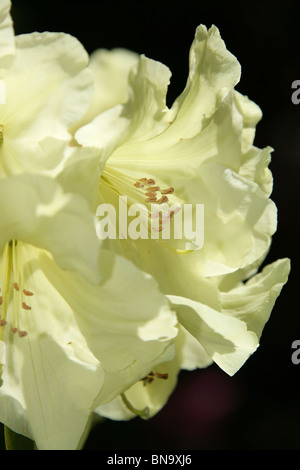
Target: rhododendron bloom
x,y
199,151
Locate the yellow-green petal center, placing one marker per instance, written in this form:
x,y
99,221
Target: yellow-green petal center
x,y
14,297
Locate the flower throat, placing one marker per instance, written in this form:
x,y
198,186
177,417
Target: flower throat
x,y
14,297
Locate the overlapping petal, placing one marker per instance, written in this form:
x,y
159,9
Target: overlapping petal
x,y
110,70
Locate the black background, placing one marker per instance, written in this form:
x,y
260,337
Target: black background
x,y
258,408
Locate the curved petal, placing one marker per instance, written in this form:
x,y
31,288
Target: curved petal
x,y
110,69
231,335
253,301
149,82
224,338
213,72
105,133
128,333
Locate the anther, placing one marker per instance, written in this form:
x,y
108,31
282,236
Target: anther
x,y
151,199
14,330
167,191
161,376
163,199
2,322
153,189
22,333
150,182
27,292
16,287
1,300
143,180
25,306
138,185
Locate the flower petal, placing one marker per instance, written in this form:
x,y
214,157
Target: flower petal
x,y
36,210
52,68
232,334
214,71
110,71
153,395
224,338
253,301
128,333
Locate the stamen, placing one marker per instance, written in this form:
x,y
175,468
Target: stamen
x,y
162,376
153,189
151,199
27,292
150,377
162,200
1,133
150,182
167,191
22,333
144,413
12,291
25,306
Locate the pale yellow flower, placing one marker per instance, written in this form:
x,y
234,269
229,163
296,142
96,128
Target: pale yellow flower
x,y
198,151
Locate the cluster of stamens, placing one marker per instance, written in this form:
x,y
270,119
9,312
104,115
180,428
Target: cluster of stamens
x,y
155,195
152,375
12,288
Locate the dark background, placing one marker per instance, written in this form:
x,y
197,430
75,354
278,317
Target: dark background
x,y
259,407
